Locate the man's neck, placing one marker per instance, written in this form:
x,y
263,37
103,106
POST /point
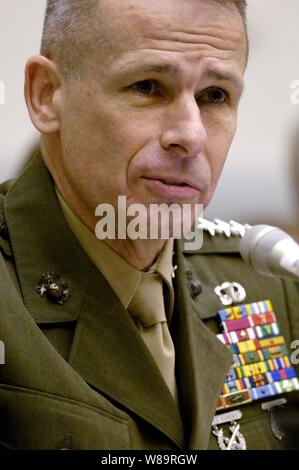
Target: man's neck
x,y
139,253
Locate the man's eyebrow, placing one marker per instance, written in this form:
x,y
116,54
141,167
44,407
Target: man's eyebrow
x,y
173,69
227,76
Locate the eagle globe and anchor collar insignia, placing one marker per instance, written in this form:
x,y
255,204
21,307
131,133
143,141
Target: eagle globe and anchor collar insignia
x,y
262,367
55,289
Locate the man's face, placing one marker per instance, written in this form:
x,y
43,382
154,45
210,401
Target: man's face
x,y
154,112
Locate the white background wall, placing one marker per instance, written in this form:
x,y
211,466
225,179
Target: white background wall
x,y
257,181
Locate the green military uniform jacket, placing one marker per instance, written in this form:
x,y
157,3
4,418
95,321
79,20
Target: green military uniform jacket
x,y
78,375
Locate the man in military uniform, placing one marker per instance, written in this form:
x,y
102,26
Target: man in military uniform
x,y
112,344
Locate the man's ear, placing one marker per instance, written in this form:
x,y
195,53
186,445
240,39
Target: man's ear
x,y
43,93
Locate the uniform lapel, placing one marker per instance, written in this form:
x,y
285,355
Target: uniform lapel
x,y
202,363
107,350
111,356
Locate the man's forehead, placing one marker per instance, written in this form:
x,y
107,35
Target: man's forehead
x,y
138,9
173,26
145,16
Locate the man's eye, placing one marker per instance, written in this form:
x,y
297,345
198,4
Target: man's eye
x,y
216,96
145,87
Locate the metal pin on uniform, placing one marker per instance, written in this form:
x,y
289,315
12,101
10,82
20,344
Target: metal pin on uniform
x,y
55,289
270,406
236,441
194,285
230,293
219,227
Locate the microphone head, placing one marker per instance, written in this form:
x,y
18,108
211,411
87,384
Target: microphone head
x,y
258,245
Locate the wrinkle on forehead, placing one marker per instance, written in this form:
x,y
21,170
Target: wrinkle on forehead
x,y
187,26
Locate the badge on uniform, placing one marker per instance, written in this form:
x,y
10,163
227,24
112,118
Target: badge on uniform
x,y
262,366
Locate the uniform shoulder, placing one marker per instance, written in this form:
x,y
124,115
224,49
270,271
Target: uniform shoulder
x,y
219,236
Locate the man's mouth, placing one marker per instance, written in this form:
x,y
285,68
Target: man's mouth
x,y
173,187
173,182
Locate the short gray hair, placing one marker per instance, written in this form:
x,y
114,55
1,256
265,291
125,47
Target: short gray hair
x,y
68,32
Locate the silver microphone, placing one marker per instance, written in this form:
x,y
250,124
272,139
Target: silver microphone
x,y
271,251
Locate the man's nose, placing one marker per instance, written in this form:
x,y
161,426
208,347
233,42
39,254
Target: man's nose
x,y
184,133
